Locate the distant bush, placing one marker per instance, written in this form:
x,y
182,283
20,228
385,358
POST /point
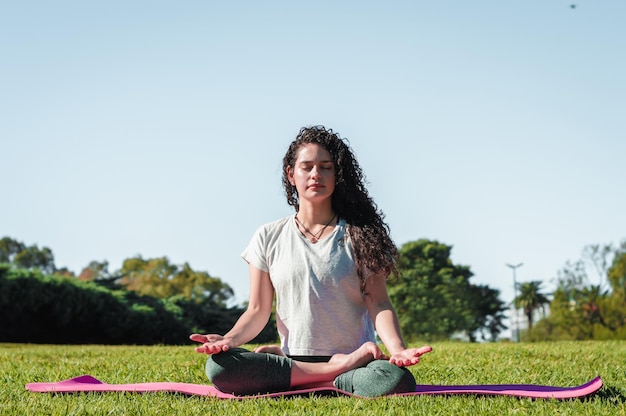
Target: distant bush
x,y
51,309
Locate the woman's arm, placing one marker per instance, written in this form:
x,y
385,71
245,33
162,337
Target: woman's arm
x,y
385,320
250,323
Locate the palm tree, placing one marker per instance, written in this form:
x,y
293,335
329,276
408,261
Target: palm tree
x,y
530,299
590,300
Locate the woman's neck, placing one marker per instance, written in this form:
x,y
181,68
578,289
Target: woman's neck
x,y
315,215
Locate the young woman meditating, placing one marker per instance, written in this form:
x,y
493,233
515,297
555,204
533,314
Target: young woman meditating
x,y
327,266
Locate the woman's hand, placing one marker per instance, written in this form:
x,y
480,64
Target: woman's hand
x,y
211,343
409,356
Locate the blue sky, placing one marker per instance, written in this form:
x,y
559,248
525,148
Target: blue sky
x,y
158,128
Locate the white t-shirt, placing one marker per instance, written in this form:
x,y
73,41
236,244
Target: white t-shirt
x,y
319,306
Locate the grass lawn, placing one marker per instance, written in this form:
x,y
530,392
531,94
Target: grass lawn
x,y
563,363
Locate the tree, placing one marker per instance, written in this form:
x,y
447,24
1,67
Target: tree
x,y
200,286
159,278
617,276
614,306
599,257
489,313
9,249
34,258
95,270
530,300
434,298
26,257
581,310
98,272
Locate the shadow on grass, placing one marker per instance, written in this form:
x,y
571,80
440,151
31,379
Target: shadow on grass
x,y
610,394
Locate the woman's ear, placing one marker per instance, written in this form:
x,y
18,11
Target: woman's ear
x,y
290,176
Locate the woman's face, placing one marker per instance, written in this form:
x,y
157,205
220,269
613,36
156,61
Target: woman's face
x,y
313,173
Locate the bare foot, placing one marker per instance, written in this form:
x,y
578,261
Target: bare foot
x,y
304,374
270,349
363,355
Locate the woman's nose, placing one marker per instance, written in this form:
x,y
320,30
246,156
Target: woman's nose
x,y
315,172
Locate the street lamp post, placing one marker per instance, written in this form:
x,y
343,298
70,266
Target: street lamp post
x,y
515,320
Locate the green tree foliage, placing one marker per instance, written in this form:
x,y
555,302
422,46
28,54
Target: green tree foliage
x,y
161,279
615,304
54,309
9,249
583,311
530,300
617,276
489,313
27,257
158,300
435,299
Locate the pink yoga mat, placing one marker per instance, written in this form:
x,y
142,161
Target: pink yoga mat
x,y
88,383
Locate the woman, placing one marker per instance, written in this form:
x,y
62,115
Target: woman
x,y
327,266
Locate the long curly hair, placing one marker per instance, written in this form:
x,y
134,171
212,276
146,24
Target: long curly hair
x,y
374,250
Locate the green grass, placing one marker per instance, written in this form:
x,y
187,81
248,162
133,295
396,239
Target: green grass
x,y
564,363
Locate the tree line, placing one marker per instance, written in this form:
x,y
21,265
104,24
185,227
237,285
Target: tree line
x,y
580,309
434,297
146,301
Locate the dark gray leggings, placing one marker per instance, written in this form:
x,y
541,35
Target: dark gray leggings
x,y
243,372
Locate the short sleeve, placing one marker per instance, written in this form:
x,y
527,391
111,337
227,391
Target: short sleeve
x,y
256,251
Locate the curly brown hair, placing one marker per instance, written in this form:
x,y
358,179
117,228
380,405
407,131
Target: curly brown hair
x,y
374,250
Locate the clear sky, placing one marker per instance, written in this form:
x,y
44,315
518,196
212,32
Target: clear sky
x,y
158,128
